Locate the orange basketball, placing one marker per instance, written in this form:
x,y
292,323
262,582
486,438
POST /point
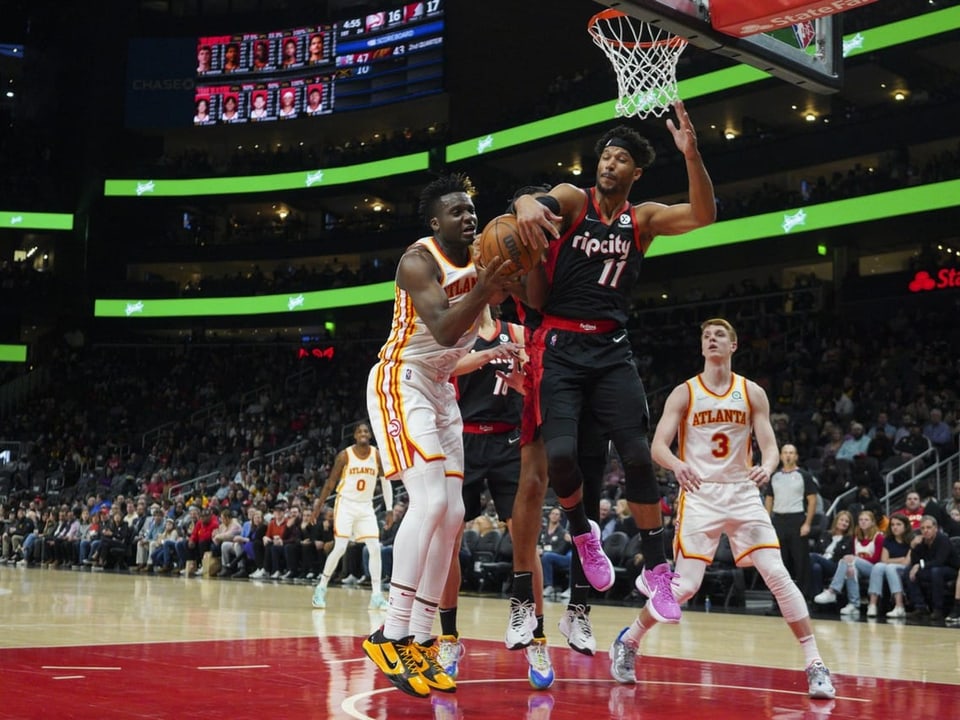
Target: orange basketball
x,y
501,238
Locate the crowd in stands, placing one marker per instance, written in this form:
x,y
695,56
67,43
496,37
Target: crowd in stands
x,y
134,427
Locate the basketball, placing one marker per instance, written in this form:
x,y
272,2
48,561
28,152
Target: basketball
x,y
501,238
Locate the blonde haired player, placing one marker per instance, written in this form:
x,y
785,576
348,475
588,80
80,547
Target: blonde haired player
x,y
713,416
355,471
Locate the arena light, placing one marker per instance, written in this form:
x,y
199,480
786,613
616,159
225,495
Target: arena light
x,y
16,220
136,308
13,353
268,183
922,198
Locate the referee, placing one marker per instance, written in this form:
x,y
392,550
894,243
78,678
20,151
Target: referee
x,y
791,501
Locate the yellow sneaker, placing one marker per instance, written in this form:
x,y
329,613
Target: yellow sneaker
x,y
400,661
434,673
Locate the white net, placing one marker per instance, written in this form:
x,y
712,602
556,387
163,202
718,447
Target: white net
x,y
644,57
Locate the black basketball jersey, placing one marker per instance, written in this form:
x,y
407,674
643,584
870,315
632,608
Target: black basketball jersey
x,y
593,266
484,397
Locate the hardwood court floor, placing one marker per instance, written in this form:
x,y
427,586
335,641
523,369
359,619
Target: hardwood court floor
x,y
84,645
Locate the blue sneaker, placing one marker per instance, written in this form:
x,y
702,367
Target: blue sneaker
x,y
319,597
540,672
449,653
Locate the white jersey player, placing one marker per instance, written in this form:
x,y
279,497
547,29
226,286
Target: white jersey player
x,y
355,472
714,417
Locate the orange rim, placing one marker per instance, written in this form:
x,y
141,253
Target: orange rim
x,y
611,14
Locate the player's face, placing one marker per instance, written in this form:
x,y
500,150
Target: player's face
x,y
717,342
315,99
202,107
287,100
316,46
362,435
259,102
230,54
456,219
616,171
203,57
290,50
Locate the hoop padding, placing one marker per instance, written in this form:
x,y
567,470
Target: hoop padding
x,y
644,57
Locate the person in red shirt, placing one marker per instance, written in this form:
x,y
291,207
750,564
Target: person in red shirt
x,y
201,539
913,509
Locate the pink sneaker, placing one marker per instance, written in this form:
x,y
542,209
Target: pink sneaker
x,y
597,567
657,584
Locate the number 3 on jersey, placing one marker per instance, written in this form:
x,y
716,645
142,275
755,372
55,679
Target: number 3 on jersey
x,y
721,447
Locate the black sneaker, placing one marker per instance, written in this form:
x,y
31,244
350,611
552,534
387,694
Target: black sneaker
x,y
953,619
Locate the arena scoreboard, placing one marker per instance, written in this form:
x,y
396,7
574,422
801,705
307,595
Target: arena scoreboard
x,y
312,70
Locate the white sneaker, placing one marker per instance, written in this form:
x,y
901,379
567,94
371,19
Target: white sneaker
x,y
522,623
258,574
826,597
275,575
540,671
449,653
575,627
350,580
818,678
623,660
871,610
897,612
850,609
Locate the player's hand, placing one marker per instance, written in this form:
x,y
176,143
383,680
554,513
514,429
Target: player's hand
x,y
496,276
513,379
758,475
536,222
687,477
684,136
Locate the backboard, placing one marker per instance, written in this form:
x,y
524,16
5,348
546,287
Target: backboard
x,y
817,67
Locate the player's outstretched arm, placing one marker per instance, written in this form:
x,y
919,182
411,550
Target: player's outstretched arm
x,y
701,210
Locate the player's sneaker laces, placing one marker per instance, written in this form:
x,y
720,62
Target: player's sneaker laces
x,y
597,567
449,652
657,584
400,661
540,672
575,627
623,659
378,602
433,673
522,623
818,677
319,597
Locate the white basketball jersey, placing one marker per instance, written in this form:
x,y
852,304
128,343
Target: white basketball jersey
x,y
359,478
715,435
410,339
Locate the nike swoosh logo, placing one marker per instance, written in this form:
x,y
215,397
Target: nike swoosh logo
x,y
620,338
513,440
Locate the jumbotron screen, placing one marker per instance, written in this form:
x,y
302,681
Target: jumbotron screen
x,y
282,74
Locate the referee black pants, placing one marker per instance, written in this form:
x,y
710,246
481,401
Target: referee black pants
x,y
794,549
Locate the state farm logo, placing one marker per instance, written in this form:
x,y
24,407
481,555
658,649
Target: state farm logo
x,y
314,178
295,302
145,187
923,281
484,144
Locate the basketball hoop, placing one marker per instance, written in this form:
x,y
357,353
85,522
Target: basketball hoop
x,y
644,57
